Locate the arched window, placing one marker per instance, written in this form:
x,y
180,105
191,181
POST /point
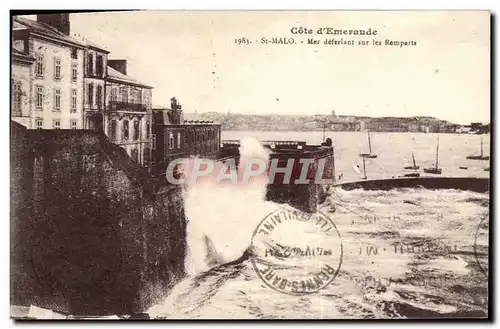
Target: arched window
x,y
112,130
125,132
178,140
99,96
90,64
90,96
146,156
170,140
136,130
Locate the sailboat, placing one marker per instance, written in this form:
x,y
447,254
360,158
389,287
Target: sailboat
x,y
435,170
415,167
369,155
479,157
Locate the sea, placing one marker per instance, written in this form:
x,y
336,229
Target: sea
x,y
405,253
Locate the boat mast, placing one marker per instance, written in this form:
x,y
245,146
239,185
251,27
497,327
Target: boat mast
x,y
481,146
364,167
369,142
414,164
437,152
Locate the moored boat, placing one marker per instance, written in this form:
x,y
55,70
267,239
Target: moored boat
x,y
369,155
415,167
479,157
435,170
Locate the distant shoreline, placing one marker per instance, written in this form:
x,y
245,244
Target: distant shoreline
x,y
345,131
335,123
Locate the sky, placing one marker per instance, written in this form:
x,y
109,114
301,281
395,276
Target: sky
x,y
192,55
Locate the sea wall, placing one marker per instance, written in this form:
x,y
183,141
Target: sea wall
x,y
90,232
480,185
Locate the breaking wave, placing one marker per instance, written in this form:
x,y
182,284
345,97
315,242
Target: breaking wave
x,y
407,253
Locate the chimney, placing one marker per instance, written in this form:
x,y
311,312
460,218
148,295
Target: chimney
x,y
118,64
59,21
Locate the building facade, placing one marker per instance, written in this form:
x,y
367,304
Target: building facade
x,y
174,137
47,74
128,112
20,87
95,72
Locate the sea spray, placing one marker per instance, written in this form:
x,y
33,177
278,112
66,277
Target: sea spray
x,y
222,217
375,281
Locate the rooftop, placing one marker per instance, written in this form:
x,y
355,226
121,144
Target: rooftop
x,y
89,43
47,30
120,77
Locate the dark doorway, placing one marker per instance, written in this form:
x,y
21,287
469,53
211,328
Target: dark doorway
x,y
95,122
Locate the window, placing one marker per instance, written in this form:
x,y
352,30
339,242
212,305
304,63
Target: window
x,y
112,130
90,94
125,130
145,156
99,66
17,94
99,96
147,129
39,69
39,123
135,155
178,140
57,124
57,68
73,100
139,96
73,124
153,142
170,140
74,53
90,64
74,71
124,94
136,129
114,96
57,99
39,97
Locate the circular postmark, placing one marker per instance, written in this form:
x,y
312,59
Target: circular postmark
x,y
295,252
481,245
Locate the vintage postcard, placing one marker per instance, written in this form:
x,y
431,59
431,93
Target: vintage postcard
x,y
250,165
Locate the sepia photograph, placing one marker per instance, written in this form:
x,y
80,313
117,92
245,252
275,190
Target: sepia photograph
x,y
250,165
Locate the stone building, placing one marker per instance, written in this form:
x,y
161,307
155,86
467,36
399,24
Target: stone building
x,y
128,117
176,138
95,72
20,87
47,73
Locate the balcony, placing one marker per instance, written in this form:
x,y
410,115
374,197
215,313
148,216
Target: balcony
x,y
93,107
126,106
